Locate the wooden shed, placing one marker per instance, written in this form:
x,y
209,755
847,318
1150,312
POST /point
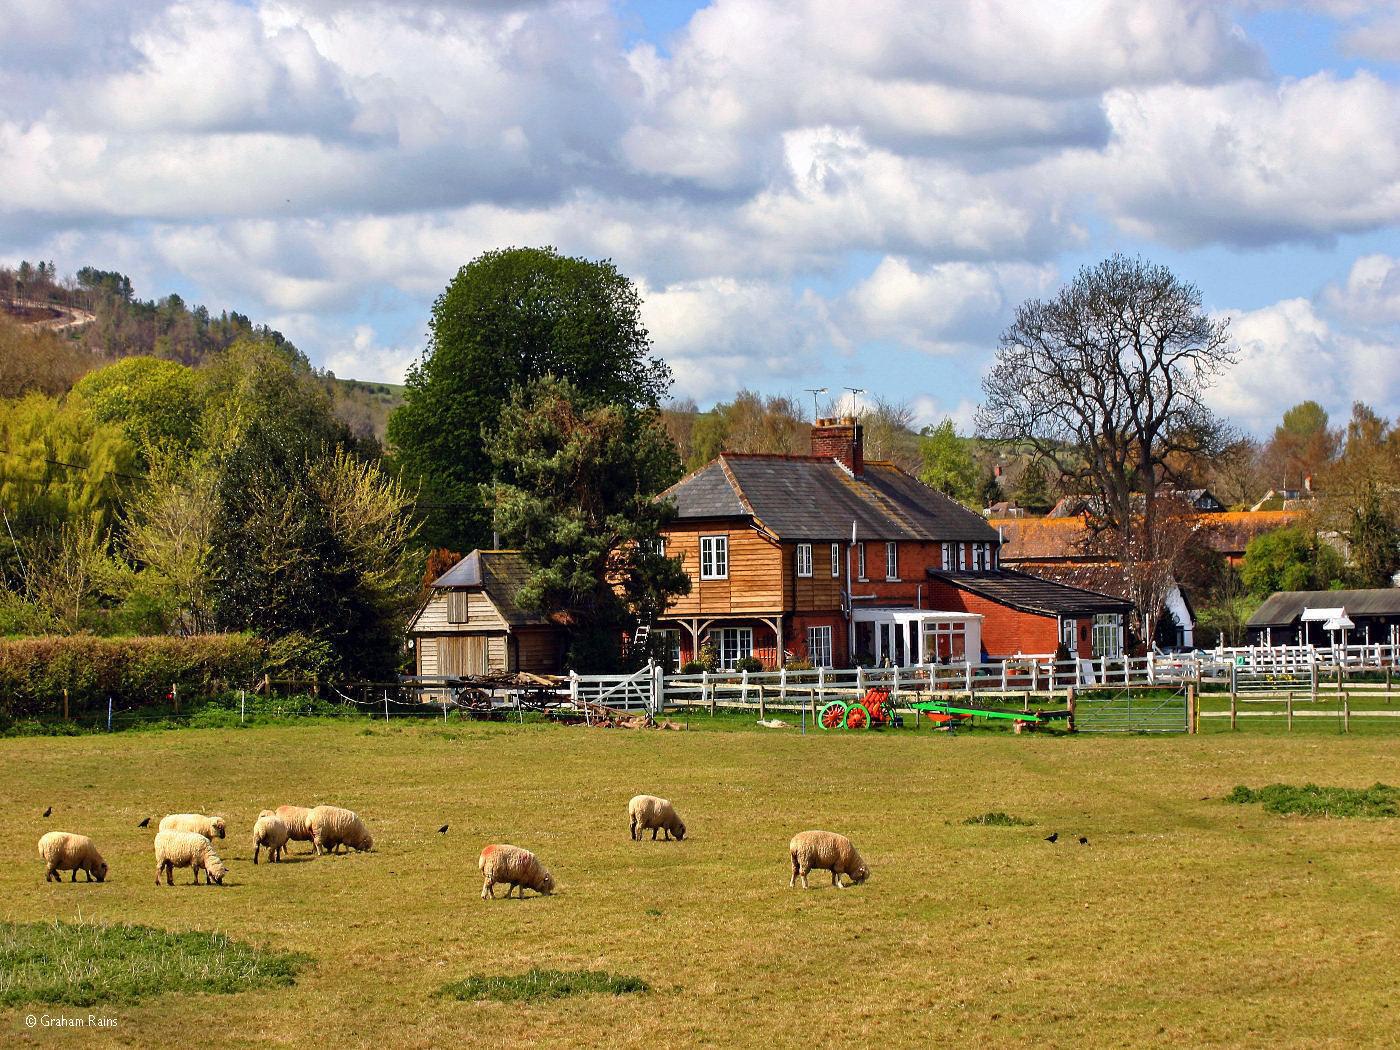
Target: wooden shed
x,y
472,624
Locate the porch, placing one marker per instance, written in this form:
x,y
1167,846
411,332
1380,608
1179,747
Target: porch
x,y
900,637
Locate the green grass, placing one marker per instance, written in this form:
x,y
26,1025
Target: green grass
x,y
86,964
998,819
1183,922
538,985
1310,800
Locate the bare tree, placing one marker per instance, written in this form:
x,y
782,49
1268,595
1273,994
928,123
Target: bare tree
x,y
889,434
1106,381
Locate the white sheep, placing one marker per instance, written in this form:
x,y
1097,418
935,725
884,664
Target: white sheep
x,y
333,827
298,821
518,867
186,849
209,827
825,850
270,832
65,851
648,811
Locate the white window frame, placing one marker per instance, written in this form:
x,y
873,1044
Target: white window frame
x,y
836,561
947,557
981,557
804,560
714,557
735,643
1107,636
962,557
661,546
819,649
891,561
860,561
1069,635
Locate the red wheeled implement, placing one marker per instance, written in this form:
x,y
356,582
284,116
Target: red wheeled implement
x,y
874,709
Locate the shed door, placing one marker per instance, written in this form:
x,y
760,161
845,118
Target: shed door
x,y
464,655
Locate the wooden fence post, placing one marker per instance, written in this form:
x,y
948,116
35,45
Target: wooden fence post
x,y
1346,713
1070,704
175,695
762,707
1191,695
1290,712
65,704
1232,709
1312,683
820,696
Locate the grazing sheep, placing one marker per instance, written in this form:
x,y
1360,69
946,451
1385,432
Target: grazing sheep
x,y
333,827
648,811
65,851
513,865
298,821
185,849
269,831
825,850
210,827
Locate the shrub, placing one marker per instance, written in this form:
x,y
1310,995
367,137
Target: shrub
x,y
693,667
132,671
748,663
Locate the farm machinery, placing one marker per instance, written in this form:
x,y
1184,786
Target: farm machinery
x,y
875,709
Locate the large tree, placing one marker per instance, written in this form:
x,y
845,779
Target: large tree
x,y
1106,381
577,495
1360,497
508,318
948,465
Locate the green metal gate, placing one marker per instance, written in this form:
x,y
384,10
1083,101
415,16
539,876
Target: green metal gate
x,y
1132,711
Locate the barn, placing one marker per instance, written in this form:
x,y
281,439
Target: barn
x,y
472,624
1327,618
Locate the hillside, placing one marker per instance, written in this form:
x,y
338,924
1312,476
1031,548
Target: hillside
x,y
56,329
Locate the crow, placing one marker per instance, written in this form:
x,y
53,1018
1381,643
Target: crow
x,y
1052,837
442,830
145,823
48,812
1083,840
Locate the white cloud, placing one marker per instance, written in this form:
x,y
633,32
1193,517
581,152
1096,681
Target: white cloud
x,y
948,308
1289,352
1371,294
1250,163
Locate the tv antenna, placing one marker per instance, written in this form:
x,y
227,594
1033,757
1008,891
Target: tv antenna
x,y
814,391
854,391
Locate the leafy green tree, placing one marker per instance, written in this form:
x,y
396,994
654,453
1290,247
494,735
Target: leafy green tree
x,y
1303,445
577,495
508,318
61,465
947,462
1291,559
1032,489
989,491
156,403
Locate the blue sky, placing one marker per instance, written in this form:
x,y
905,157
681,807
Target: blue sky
x,y
808,192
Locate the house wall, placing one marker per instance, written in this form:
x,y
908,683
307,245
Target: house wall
x,y
1006,631
434,616
755,582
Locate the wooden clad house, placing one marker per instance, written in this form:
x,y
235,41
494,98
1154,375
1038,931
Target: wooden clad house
x,y
471,623
837,560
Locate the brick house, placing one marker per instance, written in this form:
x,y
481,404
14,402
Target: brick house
x,y
837,560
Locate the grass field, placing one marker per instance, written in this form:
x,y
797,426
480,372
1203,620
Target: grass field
x,y
1185,920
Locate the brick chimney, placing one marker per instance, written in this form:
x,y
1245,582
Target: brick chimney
x,y
840,439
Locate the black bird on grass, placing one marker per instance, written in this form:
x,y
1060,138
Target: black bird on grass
x,y
1083,840
145,823
1052,837
48,812
442,830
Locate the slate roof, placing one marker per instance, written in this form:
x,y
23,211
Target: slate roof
x,y
1019,590
814,498
500,574
1284,607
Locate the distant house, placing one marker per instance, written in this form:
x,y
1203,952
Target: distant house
x,y
1202,501
1326,618
471,623
837,560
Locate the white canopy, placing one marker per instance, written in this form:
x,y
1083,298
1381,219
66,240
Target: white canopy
x,y
1338,623
1312,615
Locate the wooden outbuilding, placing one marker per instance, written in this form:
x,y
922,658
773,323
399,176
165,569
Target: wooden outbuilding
x,y
472,624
